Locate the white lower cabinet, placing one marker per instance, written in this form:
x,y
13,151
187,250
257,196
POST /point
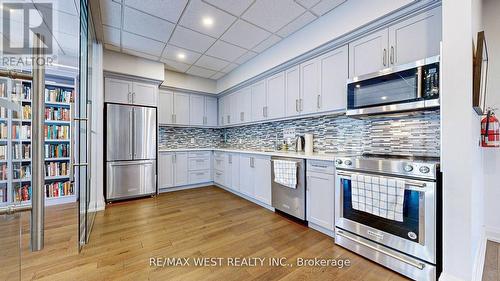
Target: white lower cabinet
x,y
219,168
234,160
246,175
262,183
165,170
320,195
181,176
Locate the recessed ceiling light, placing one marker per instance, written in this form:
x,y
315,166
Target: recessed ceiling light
x,y
181,56
207,21
384,98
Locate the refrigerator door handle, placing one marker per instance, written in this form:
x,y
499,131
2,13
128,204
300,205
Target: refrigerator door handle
x,y
131,136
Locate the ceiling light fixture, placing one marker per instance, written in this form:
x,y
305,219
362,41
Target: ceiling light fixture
x,y
208,21
181,56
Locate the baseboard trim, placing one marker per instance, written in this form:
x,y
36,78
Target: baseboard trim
x,y
321,229
184,187
479,257
448,277
245,197
493,234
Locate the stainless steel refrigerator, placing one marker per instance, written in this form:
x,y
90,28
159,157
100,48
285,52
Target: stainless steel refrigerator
x,y
130,151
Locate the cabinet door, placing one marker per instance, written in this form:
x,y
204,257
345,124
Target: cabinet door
x,y
210,111
181,168
220,111
196,110
258,101
246,175
235,171
165,170
369,54
262,185
235,108
245,99
228,179
292,88
227,111
275,105
119,91
181,108
320,199
415,38
309,84
333,80
165,107
144,94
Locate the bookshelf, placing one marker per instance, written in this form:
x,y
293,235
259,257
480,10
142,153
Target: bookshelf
x,y
15,143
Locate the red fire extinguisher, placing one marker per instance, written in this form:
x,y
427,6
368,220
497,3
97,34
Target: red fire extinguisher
x,y
490,130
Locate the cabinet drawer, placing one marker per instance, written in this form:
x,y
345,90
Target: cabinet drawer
x,y
218,154
199,154
199,176
199,163
219,164
219,177
325,167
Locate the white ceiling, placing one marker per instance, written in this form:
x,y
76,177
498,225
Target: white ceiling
x,y
65,29
162,29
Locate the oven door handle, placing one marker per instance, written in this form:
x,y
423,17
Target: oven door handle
x,y
408,183
373,247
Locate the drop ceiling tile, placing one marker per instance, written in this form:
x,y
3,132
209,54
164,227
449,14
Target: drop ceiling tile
x,y
217,75
62,21
68,43
141,44
273,15
326,6
247,56
67,6
171,52
229,67
234,7
297,24
112,47
169,10
245,35
139,54
111,35
191,40
111,13
196,11
146,25
199,71
211,63
273,39
175,65
225,51
307,3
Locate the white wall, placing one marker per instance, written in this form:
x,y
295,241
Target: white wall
x,y
491,20
343,19
463,211
132,65
189,82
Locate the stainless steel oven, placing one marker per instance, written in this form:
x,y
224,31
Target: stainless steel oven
x,y
408,245
408,87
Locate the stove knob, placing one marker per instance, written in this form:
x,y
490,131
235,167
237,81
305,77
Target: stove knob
x,y
424,169
408,168
338,162
348,162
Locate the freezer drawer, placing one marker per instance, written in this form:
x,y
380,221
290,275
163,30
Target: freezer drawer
x,y
128,179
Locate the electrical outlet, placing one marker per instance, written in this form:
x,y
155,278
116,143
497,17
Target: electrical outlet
x,y
192,140
289,133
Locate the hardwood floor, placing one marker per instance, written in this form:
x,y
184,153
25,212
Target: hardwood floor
x,y
204,222
491,270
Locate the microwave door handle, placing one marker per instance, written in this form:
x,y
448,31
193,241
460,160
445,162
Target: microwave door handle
x,y
419,82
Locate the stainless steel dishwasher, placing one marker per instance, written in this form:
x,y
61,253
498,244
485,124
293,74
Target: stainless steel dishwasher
x,y
290,200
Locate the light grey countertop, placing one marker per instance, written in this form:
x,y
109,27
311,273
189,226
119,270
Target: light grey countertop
x,y
311,156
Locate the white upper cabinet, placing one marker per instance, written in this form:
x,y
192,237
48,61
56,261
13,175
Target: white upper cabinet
x,y
129,92
227,110
369,54
245,101
292,89
220,111
118,91
259,101
309,85
144,94
235,108
415,38
196,110
333,80
275,104
210,111
181,109
165,107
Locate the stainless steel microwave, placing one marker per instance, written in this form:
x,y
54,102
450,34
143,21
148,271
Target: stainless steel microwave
x,y
407,87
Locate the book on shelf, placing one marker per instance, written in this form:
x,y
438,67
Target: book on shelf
x,y
3,152
57,114
58,189
21,172
23,193
57,150
58,95
56,132
26,92
27,112
21,132
3,194
4,173
21,151
3,90
55,169
3,112
3,131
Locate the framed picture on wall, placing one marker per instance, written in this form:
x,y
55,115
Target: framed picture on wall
x,y
480,74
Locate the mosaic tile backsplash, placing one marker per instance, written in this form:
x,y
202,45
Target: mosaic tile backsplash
x,y
410,134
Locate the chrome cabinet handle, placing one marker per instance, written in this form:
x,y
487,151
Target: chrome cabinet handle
x,y
318,101
384,58
297,105
319,166
392,55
